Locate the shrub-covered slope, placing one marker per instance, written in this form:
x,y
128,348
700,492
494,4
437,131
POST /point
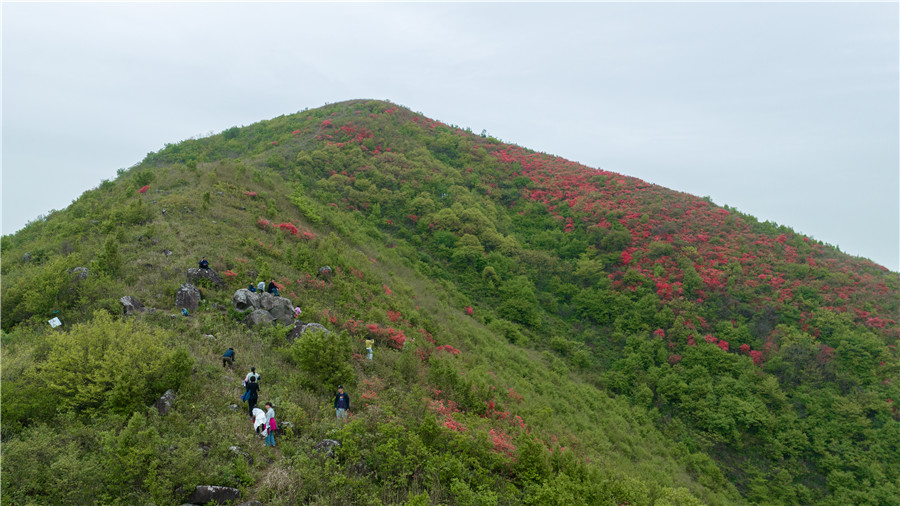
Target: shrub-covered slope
x,y
545,332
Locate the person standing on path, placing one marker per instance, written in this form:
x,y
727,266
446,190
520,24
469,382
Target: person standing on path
x,y
369,344
253,398
270,425
341,403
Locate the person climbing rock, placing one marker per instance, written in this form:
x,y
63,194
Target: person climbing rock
x,y
204,264
270,425
341,403
228,357
272,288
253,393
261,287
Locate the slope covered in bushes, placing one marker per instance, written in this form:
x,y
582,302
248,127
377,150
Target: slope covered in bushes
x,y
545,332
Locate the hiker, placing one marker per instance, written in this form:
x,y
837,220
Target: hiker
x,y
297,312
341,403
258,417
204,264
250,375
270,425
261,287
228,357
369,344
272,288
252,288
252,393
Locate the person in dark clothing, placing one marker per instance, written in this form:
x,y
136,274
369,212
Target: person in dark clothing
x,y
228,357
341,403
253,389
204,264
252,288
272,288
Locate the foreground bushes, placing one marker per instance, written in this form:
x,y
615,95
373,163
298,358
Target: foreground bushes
x,y
107,365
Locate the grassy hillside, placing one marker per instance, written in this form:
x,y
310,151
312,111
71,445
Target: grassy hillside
x,y
545,332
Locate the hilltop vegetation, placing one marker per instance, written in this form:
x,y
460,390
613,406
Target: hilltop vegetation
x,y
546,333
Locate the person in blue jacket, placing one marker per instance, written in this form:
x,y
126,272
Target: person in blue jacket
x,y
341,403
228,357
204,264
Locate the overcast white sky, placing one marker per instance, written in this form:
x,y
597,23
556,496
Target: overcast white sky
x,y
788,112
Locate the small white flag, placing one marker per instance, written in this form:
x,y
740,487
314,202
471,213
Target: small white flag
x,y
54,322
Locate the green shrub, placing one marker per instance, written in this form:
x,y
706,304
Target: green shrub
x,y
104,365
323,358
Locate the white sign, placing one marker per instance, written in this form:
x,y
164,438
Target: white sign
x,y
54,322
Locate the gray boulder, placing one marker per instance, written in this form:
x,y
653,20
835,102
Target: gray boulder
x,y
325,272
131,305
327,446
79,273
244,300
194,275
257,317
188,297
206,493
164,403
301,328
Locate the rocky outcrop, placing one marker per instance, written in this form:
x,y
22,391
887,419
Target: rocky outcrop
x,y
264,307
325,272
245,300
327,446
205,493
131,305
79,273
301,328
164,403
194,275
188,297
258,317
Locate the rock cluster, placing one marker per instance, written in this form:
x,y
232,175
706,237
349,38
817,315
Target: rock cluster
x,y
263,307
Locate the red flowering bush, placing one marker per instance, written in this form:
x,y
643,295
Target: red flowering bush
x,y
448,349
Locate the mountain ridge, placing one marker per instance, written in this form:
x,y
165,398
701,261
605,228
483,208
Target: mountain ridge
x,y
684,311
